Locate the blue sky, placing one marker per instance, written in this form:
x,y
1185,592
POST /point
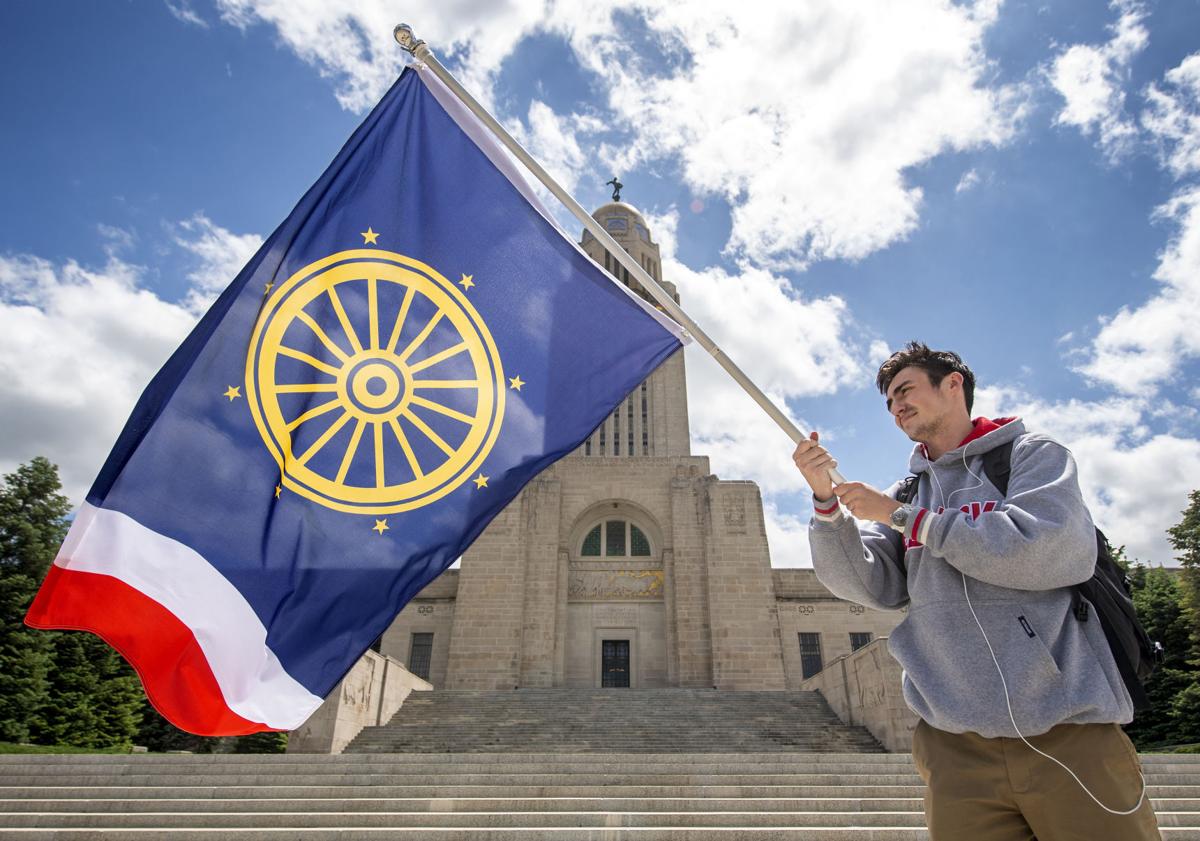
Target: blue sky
x,y
1017,181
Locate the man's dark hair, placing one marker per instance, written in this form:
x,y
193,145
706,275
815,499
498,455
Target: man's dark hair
x,y
936,363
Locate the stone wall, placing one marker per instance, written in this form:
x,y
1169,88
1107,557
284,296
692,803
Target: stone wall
x,y
368,695
431,612
805,606
863,688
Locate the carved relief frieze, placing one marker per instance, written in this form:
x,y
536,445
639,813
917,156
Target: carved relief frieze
x,y
616,585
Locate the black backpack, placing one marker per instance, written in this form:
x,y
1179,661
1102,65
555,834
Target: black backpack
x,y
1108,591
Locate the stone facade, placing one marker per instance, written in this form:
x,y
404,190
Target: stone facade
x,y
630,541
367,696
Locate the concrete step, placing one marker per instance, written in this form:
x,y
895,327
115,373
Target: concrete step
x,y
353,832
456,820
495,797
621,721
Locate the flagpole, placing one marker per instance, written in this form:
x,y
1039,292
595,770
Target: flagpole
x,y
420,51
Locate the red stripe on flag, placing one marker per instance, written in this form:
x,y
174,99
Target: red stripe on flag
x,y
162,650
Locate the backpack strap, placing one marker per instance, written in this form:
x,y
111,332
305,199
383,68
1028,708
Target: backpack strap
x,y
997,465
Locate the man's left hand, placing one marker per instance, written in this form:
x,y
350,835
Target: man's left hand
x,y
865,502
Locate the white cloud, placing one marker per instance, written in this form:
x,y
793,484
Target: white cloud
x,y
787,536
182,10
352,45
1142,347
1135,481
809,139
969,180
219,255
1091,79
77,346
798,347
551,139
1173,117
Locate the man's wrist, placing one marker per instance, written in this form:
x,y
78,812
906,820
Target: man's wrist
x,y
827,510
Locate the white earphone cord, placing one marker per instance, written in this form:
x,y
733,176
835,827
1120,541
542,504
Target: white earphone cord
x,y
1000,672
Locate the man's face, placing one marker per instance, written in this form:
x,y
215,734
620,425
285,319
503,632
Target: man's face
x,y
920,409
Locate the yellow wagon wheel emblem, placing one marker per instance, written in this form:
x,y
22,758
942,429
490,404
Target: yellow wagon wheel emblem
x,y
340,340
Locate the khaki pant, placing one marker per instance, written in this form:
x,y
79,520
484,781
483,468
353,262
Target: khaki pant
x,y
981,789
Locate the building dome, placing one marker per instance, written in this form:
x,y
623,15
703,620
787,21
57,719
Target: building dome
x,y
623,222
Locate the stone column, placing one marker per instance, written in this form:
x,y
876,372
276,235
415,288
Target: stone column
x,y
541,506
690,586
485,648
741,593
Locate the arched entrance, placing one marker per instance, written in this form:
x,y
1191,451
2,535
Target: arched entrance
x,y
616,619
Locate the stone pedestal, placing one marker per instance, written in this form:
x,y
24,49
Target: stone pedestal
x,y
863,688
368,695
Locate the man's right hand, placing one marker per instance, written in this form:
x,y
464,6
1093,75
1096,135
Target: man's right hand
x,y
815,462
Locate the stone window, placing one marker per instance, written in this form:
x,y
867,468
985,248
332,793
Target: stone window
x,y
645,421
420,654
629,424
858,639
810,654
619,539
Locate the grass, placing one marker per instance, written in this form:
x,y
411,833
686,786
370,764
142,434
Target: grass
x,y
1193,748
12,747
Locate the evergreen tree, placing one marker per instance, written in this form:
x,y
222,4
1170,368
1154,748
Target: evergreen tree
x,y
1159,606
1185,538
32,527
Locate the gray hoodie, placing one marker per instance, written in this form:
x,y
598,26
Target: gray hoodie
x,y
1015,556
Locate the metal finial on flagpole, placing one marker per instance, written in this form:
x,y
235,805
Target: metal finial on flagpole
x,y
411,43
403,33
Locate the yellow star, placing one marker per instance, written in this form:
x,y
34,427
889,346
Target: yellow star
x,y
466,282
233,391
267,287
380,526
370,237
480,481
278,490
516,382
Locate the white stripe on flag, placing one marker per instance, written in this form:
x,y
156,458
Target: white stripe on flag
x,y
232,637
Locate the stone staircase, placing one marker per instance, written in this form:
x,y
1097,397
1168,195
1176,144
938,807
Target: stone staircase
x,y
782,796
616,721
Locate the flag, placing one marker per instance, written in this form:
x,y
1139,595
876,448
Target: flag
x,y
412,345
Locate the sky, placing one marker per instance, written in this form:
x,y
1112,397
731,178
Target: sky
x,y
827,179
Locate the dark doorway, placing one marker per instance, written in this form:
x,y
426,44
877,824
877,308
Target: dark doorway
x,y
614,664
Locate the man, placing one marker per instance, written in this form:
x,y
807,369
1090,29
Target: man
x,y
984,578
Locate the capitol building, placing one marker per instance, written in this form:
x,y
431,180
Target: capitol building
x,y
629,564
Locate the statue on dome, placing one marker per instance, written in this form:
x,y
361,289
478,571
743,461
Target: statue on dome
x,y
616,185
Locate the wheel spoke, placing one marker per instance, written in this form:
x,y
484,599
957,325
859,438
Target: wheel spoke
x,y
445,384
325,340
440,409
373,310
324,439
379,478
428,433
304,388
351,448
422,336
429,362
395,337
344,319
407,447
312,413
309,360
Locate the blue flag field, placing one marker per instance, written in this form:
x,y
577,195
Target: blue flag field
x,y
406,351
